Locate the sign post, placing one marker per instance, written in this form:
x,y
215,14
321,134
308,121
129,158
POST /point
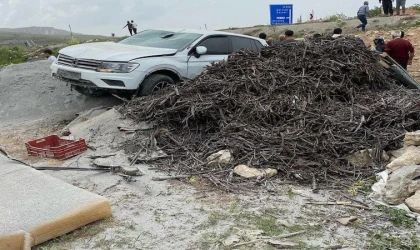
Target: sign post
x,y
281,14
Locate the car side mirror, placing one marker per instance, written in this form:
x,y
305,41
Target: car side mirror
x,y
200,50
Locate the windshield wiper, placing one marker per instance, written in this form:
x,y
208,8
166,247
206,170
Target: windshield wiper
x,y
168,35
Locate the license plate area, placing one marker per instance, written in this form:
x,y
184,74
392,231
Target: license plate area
x,y
69,74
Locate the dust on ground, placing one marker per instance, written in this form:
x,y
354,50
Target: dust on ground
x,y
192,214
29,93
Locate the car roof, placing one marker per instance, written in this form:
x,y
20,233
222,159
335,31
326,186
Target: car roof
x,y
209,32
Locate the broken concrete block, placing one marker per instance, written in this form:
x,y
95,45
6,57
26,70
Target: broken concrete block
x,y
364,158
247,172
410,157
412,138
414,202
347,220
402,184
222,157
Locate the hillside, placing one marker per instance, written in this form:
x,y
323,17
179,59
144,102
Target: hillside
x,y
40,36
35,30
323,27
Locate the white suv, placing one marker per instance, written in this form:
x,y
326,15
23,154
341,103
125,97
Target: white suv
x,y
148,61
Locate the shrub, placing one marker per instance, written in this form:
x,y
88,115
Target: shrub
x,y
377,11
415,7
12,56
74,41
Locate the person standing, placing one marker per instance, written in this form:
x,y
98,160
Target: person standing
x,y
387,5
134,26
400,4
362,15
401,50
130,27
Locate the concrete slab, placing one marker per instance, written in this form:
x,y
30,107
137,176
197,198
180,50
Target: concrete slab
x,y
36,207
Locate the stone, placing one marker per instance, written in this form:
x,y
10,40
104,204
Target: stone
x,y
131,171
222,157
402,183
409,156
347,220
399,152
232,239
364,158
412,138
414,202
247,172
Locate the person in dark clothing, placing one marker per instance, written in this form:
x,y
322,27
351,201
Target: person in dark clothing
x,y
130,27
362,15
401,50
337,33
262,36
380,44
387,5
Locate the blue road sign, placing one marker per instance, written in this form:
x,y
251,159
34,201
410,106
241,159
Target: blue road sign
x,y
281,14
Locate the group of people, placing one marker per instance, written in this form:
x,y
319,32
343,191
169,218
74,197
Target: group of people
x,y
287,36
132,27
399,49
387,6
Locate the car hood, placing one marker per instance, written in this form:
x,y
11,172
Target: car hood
x,y
109,51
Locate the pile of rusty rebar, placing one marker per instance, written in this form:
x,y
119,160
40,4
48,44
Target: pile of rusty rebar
x,y
300,108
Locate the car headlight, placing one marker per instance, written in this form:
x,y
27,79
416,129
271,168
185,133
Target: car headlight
x,y
113,67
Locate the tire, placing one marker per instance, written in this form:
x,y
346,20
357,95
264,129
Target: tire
x,y
90,92
154,83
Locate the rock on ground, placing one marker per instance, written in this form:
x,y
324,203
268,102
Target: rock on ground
x,y
402,184
407,157
414,202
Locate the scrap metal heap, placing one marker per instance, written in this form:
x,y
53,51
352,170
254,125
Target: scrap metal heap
x,y
300,108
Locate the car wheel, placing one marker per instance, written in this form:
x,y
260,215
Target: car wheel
x,y
154,83
90,92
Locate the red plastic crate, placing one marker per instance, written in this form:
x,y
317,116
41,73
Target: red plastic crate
x,y
54,147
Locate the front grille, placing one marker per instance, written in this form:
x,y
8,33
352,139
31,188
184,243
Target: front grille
x,y
78,63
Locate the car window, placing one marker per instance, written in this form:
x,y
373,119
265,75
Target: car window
x,y
162,39
259,45
239,43
216,45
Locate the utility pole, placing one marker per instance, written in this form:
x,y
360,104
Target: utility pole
x,y
205,25
71,32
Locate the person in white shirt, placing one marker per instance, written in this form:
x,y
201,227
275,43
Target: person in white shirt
x,y
49,55
134,26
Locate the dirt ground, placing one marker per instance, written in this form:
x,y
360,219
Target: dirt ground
x,y
192,214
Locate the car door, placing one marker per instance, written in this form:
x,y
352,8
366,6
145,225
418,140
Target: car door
x,y
243,43
218,49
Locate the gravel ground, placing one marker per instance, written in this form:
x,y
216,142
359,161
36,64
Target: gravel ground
x,y
29,93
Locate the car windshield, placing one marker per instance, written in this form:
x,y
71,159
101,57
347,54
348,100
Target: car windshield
x,y
162,39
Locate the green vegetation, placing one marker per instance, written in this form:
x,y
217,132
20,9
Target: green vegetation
x,y
12,56
376,11
415,7
335,18
383,241
74,41
398,217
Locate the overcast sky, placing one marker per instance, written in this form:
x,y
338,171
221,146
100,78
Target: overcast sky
x,y
107,16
